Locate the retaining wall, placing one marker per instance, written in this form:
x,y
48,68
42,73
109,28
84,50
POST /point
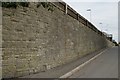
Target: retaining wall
x,y
35,39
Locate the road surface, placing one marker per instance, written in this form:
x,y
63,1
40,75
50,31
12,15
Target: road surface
x,y
104,66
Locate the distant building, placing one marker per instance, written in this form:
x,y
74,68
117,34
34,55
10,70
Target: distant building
x,y
115,43
119,43
109,36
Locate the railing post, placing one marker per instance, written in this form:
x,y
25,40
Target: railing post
x,y
77,16
66,8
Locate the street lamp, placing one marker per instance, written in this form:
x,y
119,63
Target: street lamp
x,y
106,28
101,26
89,10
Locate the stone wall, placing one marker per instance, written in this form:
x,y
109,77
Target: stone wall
x,y
36,39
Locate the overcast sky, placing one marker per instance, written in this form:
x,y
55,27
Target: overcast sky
x,y
102,11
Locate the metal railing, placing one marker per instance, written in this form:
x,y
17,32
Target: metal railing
x,y
71,12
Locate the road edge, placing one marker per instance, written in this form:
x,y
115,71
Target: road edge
x,y
70,73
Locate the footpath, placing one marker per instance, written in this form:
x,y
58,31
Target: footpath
x,y
61,70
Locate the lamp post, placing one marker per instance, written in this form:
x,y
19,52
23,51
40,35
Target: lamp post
x,y
106,28
101,26
89,10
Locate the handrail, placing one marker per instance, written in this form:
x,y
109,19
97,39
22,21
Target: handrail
x,y
71,12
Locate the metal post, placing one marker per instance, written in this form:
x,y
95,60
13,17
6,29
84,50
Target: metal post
x,y
66,8
90,14
101,26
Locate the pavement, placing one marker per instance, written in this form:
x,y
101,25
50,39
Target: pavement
x,y
105,66
61,70
0,65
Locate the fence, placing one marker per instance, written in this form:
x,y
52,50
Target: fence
x,y
71,12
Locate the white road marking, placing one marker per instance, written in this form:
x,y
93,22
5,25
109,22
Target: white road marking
x,y
80,66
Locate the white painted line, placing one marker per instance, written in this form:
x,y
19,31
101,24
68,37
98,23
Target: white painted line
x,y
80,66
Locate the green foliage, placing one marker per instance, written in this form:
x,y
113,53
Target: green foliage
x,y
39,4
51,8
46,5
14,4
9,4
24,4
